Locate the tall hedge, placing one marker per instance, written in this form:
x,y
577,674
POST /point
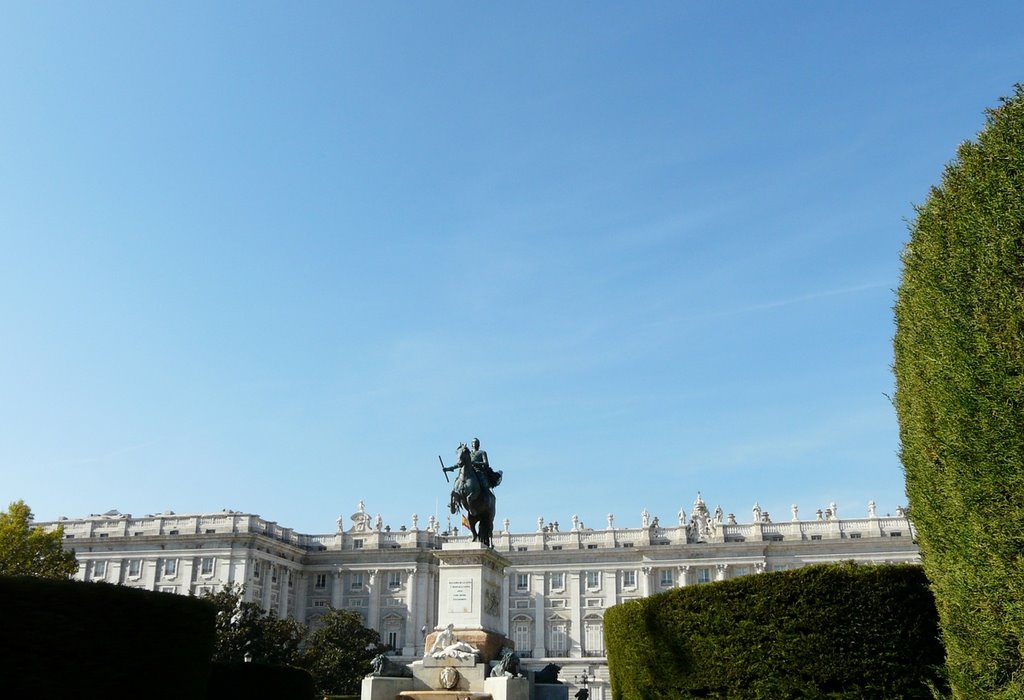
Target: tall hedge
x,y
959,365
69,639
835,631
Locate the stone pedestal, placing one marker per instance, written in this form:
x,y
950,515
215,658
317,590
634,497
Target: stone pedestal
x,y
505,688
550,691
470,596
378,688
427,674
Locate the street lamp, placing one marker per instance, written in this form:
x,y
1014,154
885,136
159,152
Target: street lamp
x,y
248,657
584,680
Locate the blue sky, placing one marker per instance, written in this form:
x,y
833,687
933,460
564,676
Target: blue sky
x,y
277,257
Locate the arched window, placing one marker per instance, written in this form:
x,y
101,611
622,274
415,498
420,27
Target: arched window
x,y
558,636
522,635
393,626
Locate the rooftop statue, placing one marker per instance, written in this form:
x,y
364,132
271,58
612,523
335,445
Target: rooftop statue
x,y
472,492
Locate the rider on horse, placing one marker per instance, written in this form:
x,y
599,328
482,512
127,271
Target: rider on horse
x,y
472,491
475,477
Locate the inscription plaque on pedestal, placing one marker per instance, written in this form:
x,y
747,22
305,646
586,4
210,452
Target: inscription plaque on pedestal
x,y
460,596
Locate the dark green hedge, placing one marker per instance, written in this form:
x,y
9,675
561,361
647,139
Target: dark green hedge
x,y
959,364
837,631
73,639
259,682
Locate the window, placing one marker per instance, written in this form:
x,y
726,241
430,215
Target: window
x,y
593,637
206,566
357,582
273,574
321,581
556,547
591,546
629,579
854,535
357,544
134,568
168,589
593,579
522,635
522,582
557,581
704,575
137,534
394,579
522,603
741,571
173,532
320,603
770,538
256,569
520,549
627,545
895,534
99,569
170,567
104,535
211,531
69,537
558,638
392,639
815,537
666,577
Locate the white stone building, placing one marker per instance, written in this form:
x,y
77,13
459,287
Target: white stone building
x,y
555,591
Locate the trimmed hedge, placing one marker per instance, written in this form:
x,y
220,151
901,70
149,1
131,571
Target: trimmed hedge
x,y
259,682
959,365
834,631
73,639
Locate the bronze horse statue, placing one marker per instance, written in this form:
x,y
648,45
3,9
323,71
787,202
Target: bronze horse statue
x,y
472,493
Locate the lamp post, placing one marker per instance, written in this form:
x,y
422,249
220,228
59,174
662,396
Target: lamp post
x,y
584,692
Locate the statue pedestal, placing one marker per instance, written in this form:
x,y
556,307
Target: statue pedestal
x,y
378,688
505,688
470,592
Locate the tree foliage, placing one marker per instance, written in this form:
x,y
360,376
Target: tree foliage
x,y
242,627
338,652
959,365
837,631
29,551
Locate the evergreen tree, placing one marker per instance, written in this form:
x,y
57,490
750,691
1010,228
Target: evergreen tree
x,y
959,365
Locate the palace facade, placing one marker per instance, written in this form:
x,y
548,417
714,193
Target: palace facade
x,y
555,591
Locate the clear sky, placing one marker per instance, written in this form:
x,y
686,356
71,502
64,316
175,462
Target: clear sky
x,y
277,257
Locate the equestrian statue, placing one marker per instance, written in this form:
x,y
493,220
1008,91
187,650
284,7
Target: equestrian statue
x,y
472,492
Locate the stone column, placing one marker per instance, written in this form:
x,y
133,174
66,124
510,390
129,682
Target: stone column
x,y
412,633
373,612
645,581
575,615
284,575
336,588
684,576
301,590
540,622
